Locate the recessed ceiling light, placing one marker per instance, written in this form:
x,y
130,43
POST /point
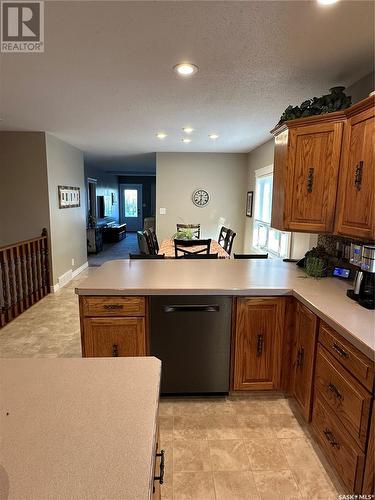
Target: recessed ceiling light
x,y
161,135
327,2
213,136
186,139
186,69
188,130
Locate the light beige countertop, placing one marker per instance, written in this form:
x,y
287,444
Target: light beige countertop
x,y
78,428
326,296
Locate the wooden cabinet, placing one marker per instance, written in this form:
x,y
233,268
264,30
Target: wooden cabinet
x,y
257,343
113,326
355,213
368,487
304,358
306,167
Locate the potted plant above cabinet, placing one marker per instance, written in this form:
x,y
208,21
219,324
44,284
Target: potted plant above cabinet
x,y
324,173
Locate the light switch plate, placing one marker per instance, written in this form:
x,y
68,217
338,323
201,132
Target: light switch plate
x,y
162,211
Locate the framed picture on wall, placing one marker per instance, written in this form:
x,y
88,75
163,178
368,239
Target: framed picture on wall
x,y
69,197
249,203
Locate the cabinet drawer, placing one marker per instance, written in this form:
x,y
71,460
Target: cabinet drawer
x,y
113,306
347,398
357,363
341,450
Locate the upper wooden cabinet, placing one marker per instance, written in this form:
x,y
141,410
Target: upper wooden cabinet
x,y
319,160
258,341
355,203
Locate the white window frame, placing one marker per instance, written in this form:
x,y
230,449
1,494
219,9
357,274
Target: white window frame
x,y
263,172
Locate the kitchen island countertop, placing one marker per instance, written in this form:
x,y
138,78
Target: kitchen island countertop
x,y
269,277
78,428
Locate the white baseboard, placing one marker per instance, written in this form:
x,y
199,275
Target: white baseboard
x,y
73,274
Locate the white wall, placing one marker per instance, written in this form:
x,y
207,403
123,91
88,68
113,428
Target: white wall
x,y
223,176
261,157
68,225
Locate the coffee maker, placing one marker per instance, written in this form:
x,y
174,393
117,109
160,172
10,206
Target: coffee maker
x,y
355,258
366,296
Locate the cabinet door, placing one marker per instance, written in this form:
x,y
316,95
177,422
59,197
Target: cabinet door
x,y
105,337
311,184
304,358
355,209
258,337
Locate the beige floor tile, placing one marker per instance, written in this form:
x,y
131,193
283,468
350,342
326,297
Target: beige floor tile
x,y
255,426
166,408
313,483
191,456
166,428
203,407
246,406
286,426
266,454
228,455
189,428
235,486
299,452
193,486
276,485
278,406
222,427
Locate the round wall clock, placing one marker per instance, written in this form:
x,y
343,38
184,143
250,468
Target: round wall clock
x,y
200,197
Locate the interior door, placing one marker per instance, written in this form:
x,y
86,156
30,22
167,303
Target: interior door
x,y
131,206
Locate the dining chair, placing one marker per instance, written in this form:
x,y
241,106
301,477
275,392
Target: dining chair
x,y
181,247
143,256
142,243
150,241
201,256
196,229
226,238
154,240
250,255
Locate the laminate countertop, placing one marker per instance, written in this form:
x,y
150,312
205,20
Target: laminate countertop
x,y
326,296
78,428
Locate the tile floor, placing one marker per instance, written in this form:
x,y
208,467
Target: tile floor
x,y
224,449
240,448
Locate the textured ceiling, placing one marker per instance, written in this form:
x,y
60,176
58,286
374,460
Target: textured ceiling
x,y
105,83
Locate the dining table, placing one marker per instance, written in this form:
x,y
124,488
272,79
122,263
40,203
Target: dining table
x,y
167,248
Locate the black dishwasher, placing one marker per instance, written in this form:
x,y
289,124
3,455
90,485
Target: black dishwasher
x,y
191,336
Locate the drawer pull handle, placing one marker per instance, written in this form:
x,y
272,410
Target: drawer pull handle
x,y
115,351
300,357
340,351
358,176
335,391
331,438
310,180
259,345
160,478
113,306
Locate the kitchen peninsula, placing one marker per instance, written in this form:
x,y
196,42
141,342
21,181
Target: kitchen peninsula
x,y
289,332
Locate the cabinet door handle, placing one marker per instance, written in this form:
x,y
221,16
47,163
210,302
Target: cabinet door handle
x,y
160,478
331,438
115,351
111,307
334,390
310,180
298,357
259,345
358,175
339,350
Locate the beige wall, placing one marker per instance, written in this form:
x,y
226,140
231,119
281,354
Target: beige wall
x,y
262,157
361,88
23,186
223,176
68,226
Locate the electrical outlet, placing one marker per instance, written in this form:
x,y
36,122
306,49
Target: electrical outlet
x,y
72,262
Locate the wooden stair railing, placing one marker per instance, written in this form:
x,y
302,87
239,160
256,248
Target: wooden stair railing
x,y
24,276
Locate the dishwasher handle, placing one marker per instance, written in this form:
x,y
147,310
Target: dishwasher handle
x,y
191,308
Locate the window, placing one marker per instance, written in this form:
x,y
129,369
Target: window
x,y
265,238
131,202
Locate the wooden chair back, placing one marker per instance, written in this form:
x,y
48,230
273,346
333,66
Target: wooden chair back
x,y
143,256
226,237
191,247
142,243
196,229
250,255
201,256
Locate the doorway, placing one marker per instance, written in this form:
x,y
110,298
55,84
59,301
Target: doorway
x,y
131,206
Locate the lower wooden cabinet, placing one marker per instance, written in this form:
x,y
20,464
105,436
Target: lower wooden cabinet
x,y
105,337
257,343
306,333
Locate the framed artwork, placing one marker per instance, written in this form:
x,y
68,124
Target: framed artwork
x,y
249,203
69,197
